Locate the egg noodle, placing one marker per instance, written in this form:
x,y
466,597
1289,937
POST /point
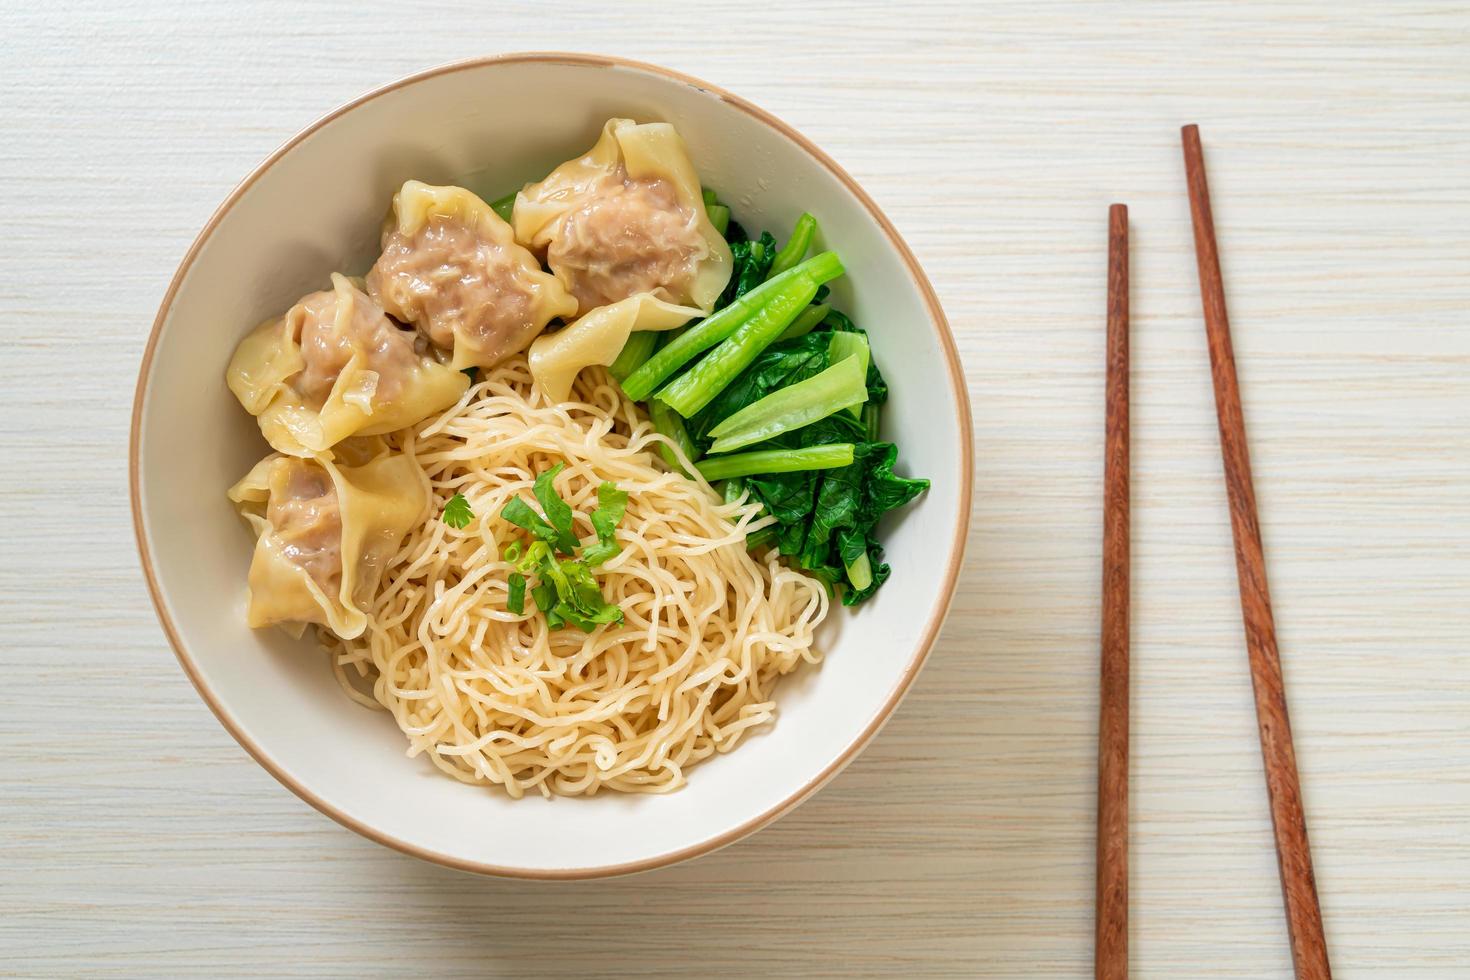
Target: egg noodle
x,y
492,696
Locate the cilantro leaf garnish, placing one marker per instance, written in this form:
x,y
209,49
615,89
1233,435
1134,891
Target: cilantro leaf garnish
x,y
457,513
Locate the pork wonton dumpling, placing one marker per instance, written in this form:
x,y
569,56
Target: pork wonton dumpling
x,y
324,536
627,218
597,338
452,267
335,366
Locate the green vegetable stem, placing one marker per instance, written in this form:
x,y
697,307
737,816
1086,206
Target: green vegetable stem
x,y
872,417
801,281
774,313
841,386
805,322
796,245
777,461
860,572
719,216
666,422
852,346
505,206
638,349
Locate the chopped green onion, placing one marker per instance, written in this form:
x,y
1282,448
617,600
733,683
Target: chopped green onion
x,y
777,461
715,328
515,599
698,386
638,349
806,321
840,386
796,246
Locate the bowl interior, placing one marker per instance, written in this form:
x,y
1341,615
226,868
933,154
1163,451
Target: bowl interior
x,y
317,209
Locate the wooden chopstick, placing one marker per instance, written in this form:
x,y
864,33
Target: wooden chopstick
x,y
1293,853
1110,951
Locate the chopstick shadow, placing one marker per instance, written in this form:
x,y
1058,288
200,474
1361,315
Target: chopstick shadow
x,y
924,854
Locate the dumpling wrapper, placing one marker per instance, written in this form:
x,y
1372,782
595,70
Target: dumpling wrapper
x,y
452,267
626,218
598,338
324,536
335,366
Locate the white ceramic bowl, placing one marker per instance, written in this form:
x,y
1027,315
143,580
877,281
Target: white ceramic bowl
x,y
315,207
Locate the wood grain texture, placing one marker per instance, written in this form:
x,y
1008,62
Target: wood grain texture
x,y
141,841
1278,753
1110,944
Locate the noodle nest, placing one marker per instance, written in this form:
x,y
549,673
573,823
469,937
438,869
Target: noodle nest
x,y
493,696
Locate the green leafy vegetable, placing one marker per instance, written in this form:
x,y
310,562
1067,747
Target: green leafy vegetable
x,y
796,245
700,384
752,265
505,206
825,518
470,373
837,527
720,325
515,599
777,461
839,387
457,513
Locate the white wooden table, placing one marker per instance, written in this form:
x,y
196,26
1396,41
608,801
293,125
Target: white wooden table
x,y
139,839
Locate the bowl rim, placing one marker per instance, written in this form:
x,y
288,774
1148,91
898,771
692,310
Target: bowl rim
x,y
965,454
